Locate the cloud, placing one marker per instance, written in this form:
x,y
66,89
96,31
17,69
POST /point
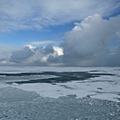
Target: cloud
x,y
94,41
39,14
45,42
89,42
5,53
21,55
44,56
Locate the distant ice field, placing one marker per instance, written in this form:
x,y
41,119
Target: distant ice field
x,y
59,93
96,82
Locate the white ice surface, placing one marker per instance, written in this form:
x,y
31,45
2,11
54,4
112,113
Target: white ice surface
x,y
19,69
108,92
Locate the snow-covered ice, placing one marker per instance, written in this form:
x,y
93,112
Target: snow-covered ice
x,y
59,93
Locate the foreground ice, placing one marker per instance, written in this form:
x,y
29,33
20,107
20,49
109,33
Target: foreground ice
x,y
62,108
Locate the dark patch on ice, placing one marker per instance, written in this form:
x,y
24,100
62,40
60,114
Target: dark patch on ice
x,y
61,77
67,87
94,71
99,88
72,96
20,74
117,98
118,93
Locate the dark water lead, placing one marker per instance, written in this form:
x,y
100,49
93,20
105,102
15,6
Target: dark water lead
x,y
61,77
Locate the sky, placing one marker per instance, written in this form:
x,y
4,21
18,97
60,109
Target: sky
x,y
60,32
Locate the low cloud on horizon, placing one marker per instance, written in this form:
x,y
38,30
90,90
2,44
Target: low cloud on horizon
x,y
95,41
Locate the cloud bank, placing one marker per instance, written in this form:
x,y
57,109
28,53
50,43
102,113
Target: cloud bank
x,y
38,14
5,53
90,42
95,41
44,56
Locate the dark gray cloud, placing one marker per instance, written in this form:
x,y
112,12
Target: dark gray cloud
x,y
5,53
89,42
22,55
43,56
48,49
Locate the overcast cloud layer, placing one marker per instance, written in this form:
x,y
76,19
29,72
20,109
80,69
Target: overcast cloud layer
x,y
38,14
